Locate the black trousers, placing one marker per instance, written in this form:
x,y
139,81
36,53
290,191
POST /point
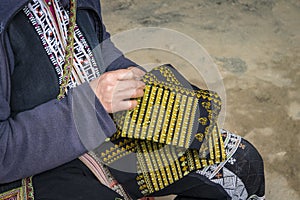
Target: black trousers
x,y
74,181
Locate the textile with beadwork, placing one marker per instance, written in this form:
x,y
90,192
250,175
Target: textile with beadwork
x,y
172,131
24,192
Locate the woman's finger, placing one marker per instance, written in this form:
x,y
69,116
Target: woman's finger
x,y
128,94
124,105
130,73
137,71
129,84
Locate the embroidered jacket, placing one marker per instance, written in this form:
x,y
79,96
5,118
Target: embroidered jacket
x,y
48,132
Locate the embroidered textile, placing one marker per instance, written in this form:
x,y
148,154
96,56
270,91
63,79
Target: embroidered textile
x,y
172,131
237,172
231,144
54,37
25,192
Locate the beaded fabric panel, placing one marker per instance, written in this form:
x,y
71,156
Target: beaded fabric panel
x,y
171,111
171,132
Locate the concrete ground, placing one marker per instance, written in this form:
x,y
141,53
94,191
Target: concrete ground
x,y
256,47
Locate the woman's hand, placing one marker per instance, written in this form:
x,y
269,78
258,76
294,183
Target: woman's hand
x,y
116,89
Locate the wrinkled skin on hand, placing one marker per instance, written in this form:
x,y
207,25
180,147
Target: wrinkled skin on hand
x,y
117,89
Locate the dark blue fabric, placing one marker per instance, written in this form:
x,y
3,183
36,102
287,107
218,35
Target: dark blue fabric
x,y
43,135
249,167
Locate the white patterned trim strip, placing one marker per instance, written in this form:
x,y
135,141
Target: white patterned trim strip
x,y
232,184
53,37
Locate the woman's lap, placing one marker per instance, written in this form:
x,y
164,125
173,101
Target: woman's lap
x,y
239,177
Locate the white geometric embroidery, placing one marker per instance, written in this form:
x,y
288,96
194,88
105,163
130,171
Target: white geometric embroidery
x,y
232,160
54,40
232,184
255,197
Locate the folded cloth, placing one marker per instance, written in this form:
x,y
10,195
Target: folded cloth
x,y
172,111
170,133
